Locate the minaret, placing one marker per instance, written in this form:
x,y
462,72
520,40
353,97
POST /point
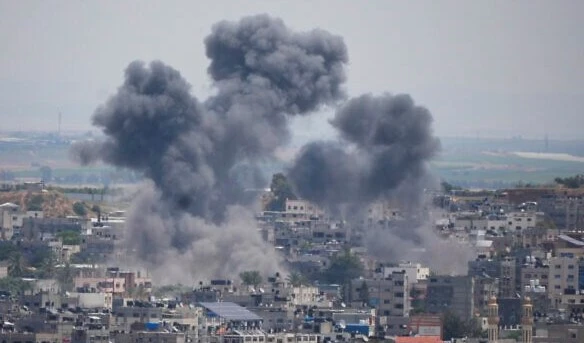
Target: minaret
x,y
527,321
493,320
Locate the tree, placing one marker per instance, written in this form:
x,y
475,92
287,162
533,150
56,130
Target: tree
x,y
343,268
65,278
296,279
251,278
47,267
7,249
281,191
70,237
79,209
448,187
14,285
16,265
35,203
455,327
575,181
364,293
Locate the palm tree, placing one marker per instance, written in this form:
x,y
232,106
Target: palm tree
x,y
48,266
65,278
16,264
296,279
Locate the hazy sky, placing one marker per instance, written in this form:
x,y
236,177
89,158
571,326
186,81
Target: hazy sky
x,y
488,68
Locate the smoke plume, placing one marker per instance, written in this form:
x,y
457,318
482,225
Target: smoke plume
x,y
385,144
263,73
388,142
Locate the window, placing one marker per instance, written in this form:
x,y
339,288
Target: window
x,y
570,266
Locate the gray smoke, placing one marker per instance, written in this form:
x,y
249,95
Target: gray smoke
x,y
390,141
262,73
385,145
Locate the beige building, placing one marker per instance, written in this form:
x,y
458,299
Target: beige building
x,y
562,279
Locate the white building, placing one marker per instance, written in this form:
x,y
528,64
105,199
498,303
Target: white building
x,y
415,271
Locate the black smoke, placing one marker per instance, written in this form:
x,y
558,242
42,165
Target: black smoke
x,y
386,142
262,73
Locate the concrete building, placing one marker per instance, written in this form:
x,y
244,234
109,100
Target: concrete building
x,y
562,279
508,278
450,293
415,271
388,295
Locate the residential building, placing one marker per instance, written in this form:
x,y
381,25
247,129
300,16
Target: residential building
x,y
450,293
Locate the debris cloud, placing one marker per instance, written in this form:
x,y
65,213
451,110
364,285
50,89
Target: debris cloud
x,y
263,73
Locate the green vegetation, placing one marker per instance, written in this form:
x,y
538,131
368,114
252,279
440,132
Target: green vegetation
x,y
281,190
343,268
15,285
70,237
65,278
87,190
39,262
447,187
7,249
35,203
455,327
80,209
251,278
575,181
296,279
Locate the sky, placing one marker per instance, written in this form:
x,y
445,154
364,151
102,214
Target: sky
x,y
483,68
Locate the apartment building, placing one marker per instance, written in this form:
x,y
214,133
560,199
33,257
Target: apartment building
x,y
563,278
388,295
450,293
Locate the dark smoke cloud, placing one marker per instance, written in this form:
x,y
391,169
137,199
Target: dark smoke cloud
x,y
388,141
385,144
262,73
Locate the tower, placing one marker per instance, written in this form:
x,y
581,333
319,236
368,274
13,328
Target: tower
x,y
527,321
493,320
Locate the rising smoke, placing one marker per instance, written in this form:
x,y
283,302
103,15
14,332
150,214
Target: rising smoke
x,y
189,220
192,221
385,145
390,141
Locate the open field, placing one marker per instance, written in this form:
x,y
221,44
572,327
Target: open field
x,y
463,161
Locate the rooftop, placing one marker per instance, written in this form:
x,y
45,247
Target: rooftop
x,y
230,311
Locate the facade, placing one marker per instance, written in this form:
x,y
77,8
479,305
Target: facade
x,y
389,295
451,293
563,278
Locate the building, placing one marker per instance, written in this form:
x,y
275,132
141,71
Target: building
x,y
388,295
415,271
562,279
227,315
450,293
